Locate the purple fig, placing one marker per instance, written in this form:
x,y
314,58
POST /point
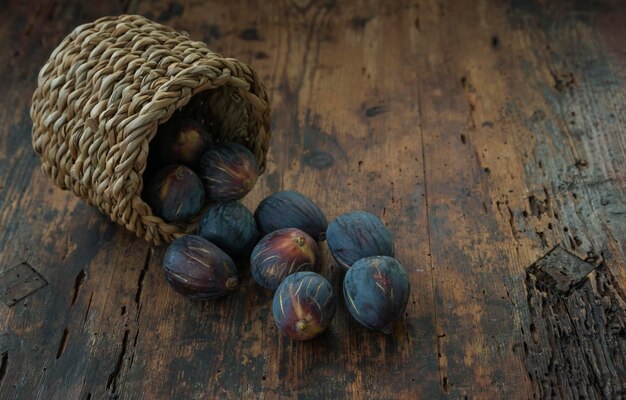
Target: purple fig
x,y
228,171
175,193
376,290
290,209
304,305
181,141
357,235
198,269
231,227
280,254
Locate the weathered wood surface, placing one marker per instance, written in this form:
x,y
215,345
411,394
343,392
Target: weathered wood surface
x,y
485,134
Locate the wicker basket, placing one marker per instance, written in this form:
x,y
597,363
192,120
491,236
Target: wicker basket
x,y
105,90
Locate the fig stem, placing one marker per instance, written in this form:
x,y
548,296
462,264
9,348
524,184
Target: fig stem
x,y
232,282
299,240
301,325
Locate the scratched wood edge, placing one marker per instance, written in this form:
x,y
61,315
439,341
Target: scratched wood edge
x,y
576,323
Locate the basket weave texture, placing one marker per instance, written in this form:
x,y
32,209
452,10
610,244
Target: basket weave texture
x,y
105,90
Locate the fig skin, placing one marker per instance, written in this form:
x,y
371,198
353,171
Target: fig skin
x,y
304,305
181,141
290,209
280,254
376,291
175,193
357,235
231,227
228,171
198,269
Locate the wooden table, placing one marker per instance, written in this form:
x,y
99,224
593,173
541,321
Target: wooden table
x,y
490,137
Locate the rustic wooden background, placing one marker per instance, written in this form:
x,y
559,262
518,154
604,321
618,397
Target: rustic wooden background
x,y
486,134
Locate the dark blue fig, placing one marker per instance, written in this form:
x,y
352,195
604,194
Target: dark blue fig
x,y
197,268
304,305
376,290
280,254
180,141
289,209
231,227
357,235
175,193
228,171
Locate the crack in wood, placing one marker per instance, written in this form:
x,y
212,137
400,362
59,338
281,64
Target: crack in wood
x,y
470,96
87,311
511,221
62,343
563,81
537,206
441,363
135,339
375,110
142,275
445,382
541,235
69,247
4,362
77,284
132,357
112,381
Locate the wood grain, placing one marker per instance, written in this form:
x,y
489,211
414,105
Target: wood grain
x,y
484,134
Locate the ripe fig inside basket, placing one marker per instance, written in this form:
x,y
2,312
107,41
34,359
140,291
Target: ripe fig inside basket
x,y
229,171
175,193
180,141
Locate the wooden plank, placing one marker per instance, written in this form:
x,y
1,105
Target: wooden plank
x,y
473,256
43,346
577,158
504,199
483,133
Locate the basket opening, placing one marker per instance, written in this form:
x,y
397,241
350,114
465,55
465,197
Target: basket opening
x,y
223,113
